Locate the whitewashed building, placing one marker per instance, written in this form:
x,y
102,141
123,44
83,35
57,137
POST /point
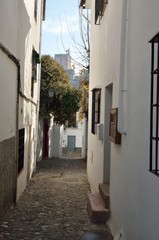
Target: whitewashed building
x,y
20,46
62,141
123,123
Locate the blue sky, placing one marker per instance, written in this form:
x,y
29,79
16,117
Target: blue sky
x,y
62,18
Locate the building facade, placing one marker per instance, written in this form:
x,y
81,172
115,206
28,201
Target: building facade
x,y
20,46
123,66
64,60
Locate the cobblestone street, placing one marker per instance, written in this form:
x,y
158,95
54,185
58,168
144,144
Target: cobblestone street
x,y
54,204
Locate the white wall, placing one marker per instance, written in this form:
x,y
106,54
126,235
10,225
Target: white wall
x,y
19,34
9,11
56,141
73,132
58,137
8,90
84,138
40,141
133,163
8,70
28,37
133,189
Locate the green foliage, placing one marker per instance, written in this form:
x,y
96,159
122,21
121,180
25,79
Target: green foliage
x,y
65,100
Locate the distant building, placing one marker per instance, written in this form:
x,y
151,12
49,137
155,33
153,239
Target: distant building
x,y
71,140
70,73
64,60
76,82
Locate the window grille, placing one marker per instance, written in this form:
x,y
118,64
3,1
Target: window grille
x,y
35,61
154,106
21,149
34,72
35,9
96,101
100,6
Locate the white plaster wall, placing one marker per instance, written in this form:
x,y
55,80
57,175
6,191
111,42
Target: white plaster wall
x,y
56,141
84,138
51,138
9,12
19,34
40,140
105,43
73,132
133,190
29,32
138,213
8,89
8,70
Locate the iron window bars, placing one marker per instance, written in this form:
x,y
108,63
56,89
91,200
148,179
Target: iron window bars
x,y
100,6
35,9
96,99
21,150
35,61
154,106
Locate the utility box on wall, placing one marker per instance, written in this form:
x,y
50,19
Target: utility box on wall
x,y
100,131
114,135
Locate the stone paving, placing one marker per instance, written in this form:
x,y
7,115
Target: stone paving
x,y
53,206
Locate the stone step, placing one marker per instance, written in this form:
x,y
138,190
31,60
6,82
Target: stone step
x,y
104,191
96,208
98,235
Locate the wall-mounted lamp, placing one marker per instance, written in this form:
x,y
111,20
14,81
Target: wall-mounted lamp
x,y
51,92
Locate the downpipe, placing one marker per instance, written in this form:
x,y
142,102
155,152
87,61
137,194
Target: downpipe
x,y
39,84
122,91
16,62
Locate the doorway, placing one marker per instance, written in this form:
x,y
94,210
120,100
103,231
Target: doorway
x,y
71,140
107,143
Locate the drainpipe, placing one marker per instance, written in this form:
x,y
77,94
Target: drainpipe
x,y
122,91
16,62
22,95
42,17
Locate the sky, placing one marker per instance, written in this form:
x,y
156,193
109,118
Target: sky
x,y
60,25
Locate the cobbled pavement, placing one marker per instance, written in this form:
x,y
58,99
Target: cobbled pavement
x,y
53,206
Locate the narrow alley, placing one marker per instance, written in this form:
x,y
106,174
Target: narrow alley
x,y
53,206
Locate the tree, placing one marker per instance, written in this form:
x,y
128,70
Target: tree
x,y
65,99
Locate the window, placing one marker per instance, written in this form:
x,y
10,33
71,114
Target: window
x,y
35,9
21,150
35,61
100,6
44,9
154,106
96,98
